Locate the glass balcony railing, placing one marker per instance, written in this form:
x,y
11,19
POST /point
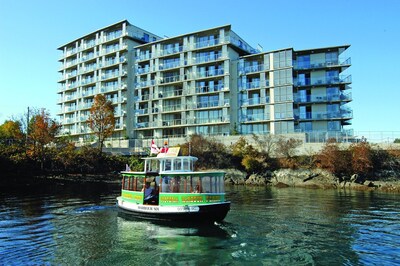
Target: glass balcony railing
x,y
87,57
255,117
142,124
207,58
71,85
89,92
144,70
143,56
214,88
172,122
145,83
253,68
71,63
208,104
170,79
87,45
324,98
209,73
69,108
171,50
209,120
172,108
322,64
342,114
167,94
206,43
112,35
88,81
169,65
341,79
143,111
253,85
109,75
255,101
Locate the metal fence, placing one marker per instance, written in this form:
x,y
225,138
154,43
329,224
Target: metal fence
x,y
142,145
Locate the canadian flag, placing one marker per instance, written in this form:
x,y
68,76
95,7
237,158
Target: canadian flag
x,y
153,148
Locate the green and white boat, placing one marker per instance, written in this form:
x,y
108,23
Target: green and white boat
x,y
170,190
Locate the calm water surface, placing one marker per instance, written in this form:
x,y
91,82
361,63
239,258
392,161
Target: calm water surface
x,y
79,224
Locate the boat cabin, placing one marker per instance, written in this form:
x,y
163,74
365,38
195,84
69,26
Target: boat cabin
x,y
171,180
169,164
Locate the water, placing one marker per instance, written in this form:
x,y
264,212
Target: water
x,y
79,224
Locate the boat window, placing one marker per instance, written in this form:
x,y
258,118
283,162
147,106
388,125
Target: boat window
x,y
125,183
173,184
186,165
177,164
219,184
152,166
167,165
165,184
206,184
132,183
195,185
212,184
138,183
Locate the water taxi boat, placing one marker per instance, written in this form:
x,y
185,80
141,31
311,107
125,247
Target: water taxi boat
x,y
170,190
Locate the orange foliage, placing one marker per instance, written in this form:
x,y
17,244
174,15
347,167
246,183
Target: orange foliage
x,y
361,158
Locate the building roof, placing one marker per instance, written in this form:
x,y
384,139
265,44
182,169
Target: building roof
x,y
321,49
186,34
109,26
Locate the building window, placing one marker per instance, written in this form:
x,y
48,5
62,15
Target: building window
x,y
333,126
283,59
283,94
284,110
303,61
283,77
332,76
306,127
331,58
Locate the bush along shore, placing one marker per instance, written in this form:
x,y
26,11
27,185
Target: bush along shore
x,y
361,166
266,161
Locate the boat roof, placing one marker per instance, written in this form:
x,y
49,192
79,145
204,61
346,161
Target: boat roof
x,y
192,158
175,173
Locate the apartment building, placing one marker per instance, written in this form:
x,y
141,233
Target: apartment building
x,y
208,82
188,84
289,91
98,63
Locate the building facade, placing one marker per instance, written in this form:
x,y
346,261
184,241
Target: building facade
x,y
98,63
209,82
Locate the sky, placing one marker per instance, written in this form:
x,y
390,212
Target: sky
x,y
31,32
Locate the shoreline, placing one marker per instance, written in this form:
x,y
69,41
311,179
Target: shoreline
x,y
311,178
282,178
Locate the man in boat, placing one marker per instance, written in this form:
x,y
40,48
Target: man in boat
x,y
148,193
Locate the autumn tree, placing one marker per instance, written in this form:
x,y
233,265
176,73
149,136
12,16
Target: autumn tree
x,y
254,159
42,131
362,158
265,143
210,152
334,159
102,119
286,150
11,131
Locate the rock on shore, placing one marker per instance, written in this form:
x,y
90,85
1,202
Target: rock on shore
x,y
310,178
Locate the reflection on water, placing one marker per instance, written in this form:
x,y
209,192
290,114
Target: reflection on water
x,y
81,225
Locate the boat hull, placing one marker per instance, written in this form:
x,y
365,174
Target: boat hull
x,y
204,213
